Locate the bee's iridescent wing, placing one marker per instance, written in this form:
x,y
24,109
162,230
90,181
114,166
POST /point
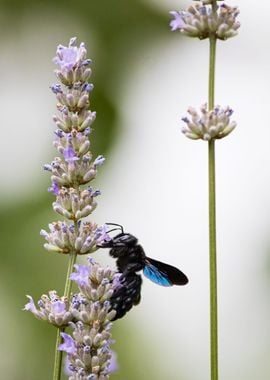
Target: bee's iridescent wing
x,y
163,274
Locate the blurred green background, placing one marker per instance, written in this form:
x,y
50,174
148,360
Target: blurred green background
x,y
153,182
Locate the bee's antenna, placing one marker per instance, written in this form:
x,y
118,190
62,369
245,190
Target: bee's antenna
x,y
117,225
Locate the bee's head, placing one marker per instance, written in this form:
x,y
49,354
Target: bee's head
x,y
124,239
121,240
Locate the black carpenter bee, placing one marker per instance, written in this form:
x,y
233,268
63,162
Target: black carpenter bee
x,y
130,259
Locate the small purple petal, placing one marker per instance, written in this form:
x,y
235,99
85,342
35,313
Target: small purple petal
x,y
59,307
55,164
69,344
185,119
67,57
77,300
113,364
101,234
59,133
30,306
178,22
229,112
91,260
47,167
87,62
54,189
70,155
203,10
68,367
70,227
88,87
88,240
96,193
99,160
87,131
64,110
56,89
82,275
117,281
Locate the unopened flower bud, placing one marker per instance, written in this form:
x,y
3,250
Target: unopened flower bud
x,y
200,20
213,124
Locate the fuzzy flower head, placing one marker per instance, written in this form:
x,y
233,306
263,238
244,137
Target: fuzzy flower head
x,y
96,286
73,67
52,308
199,20
208,125
88,348
88,312
71,56
88,352
74,166
65,238
75,203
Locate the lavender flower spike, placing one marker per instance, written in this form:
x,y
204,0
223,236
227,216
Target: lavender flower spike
x,y
200,21
74,167
213,124
88,349
88,312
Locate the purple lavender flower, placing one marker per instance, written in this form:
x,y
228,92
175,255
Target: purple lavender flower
x,y
69,345
52,308
68,57
113,364
88,349
68,367
95,193
30,306
87,131
56,88
54,188
101,234
178,22
200,21
47,167
81,277
210,124
58,307
117,283
59,133
99,160
70,155
89,311
88,87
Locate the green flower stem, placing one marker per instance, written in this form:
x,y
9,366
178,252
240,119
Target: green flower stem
x,y
59,354
212,63
72,261
212,217
213,263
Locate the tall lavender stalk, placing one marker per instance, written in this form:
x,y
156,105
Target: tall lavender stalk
x,y
205,19
88,311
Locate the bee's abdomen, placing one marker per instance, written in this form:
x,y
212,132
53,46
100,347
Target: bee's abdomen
x,y
126,295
